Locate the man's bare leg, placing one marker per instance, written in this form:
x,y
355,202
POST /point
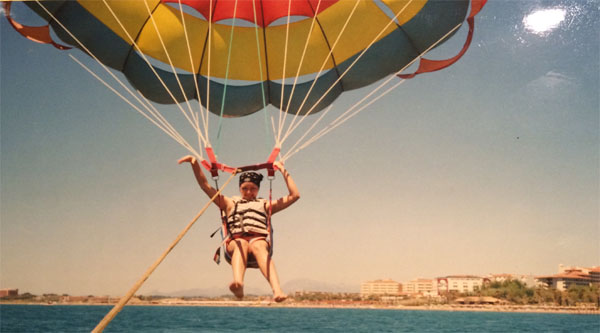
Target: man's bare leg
x,y
260,250
239,255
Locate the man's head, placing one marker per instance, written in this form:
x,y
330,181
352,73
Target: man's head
x,y
250,184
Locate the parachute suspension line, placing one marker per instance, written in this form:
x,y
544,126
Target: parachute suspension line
x,y
347,115
329,55
314,124
120,82
262,80
392,20
132,40
287,108
162,43
117,308
159,117
158,120
220,127
270,213
210,16
203,111
332,126
285,52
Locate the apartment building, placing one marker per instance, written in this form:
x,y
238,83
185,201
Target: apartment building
x,y
460,283
568,276
425,287
380,287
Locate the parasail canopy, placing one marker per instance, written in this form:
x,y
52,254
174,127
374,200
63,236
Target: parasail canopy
x,y
239,56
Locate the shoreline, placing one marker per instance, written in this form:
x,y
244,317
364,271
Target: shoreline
x,y
317,305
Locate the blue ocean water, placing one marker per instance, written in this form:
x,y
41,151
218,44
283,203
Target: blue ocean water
x,y
70,318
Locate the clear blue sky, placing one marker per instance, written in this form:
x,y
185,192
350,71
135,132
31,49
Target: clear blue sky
x,y
490,166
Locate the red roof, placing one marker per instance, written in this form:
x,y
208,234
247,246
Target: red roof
x,y
569,275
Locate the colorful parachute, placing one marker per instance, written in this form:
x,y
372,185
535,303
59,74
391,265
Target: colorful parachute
x,y
251,54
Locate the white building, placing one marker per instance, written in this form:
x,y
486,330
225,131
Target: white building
x,y
380,287
425,287
568,276
460,283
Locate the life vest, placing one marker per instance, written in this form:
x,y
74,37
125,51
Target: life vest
x,y
248,216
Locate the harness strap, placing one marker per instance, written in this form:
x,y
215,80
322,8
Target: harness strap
x,y
270,212
213,166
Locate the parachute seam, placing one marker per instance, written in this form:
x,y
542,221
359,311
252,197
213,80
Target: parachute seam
x,y
335,66
135,40
224,98
285,56
206,41
264,29
410,40
262,79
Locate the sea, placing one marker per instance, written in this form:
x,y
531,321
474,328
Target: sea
x,y
73,318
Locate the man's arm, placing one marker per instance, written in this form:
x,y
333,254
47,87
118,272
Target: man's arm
x,y
222,201
293,195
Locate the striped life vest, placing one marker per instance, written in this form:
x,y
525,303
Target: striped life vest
x,y
248,216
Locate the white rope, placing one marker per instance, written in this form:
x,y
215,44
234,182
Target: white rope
x,y
330,54
203,112
326,130
347,115
161,119
290,130
101,64
170,62
210,26
176,136
287,32
314,19
152,67
167,129
262,80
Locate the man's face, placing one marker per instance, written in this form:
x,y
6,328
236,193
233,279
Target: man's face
x,y
249,191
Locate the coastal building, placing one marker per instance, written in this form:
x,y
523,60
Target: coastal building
x,y
9,292
568,276
423,287
460,283
380,288
595,275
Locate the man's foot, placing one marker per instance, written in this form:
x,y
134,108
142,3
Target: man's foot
x,y
279,297
237,289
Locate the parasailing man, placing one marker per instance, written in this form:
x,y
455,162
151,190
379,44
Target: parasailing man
x,y
247,224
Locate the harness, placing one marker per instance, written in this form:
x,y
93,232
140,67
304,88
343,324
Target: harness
x,y
249,217
226,235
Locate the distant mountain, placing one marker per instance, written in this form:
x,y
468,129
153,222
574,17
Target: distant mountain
x,y
312,285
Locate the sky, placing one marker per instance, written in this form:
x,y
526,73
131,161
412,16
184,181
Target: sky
x,y
489,166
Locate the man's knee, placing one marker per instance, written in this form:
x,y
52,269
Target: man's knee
x,y
260,245
239,245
